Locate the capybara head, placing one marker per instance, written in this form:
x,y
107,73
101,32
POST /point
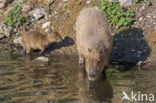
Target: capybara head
x,y
95,62
54,36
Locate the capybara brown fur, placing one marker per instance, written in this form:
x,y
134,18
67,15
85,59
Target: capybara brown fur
x,y
37,40
94,41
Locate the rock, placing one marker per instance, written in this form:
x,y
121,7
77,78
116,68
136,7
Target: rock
x,y
47,24
141,18
17,40
88,2
42,58
2,36
38,13
8,1
64,0
38,93
8,31
4,31
25,8
41,61
2,28
2,5
125,2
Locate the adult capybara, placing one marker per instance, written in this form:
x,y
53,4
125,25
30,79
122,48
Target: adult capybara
x,y
37,40
94,41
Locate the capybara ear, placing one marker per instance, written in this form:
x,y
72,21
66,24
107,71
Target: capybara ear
x,y
89,50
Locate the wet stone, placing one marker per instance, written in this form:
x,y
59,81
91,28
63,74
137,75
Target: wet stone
x,y
41,61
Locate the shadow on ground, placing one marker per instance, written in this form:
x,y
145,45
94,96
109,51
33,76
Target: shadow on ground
x,y
130,47
67,41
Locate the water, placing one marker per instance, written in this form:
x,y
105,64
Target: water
x,y
61,81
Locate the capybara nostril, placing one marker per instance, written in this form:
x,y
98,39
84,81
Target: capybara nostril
x,y
92,72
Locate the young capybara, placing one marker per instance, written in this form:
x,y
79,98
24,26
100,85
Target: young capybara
x,y
94,41
37,40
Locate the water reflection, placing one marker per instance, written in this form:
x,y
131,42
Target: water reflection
x,y
94,92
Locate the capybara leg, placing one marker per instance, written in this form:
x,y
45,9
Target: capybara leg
x,y
42,51
28,50
26,47
81,61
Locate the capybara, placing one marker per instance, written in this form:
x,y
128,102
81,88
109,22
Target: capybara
x,y
94,41
37,40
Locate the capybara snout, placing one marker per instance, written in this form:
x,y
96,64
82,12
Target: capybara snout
x,y
94,41
92,72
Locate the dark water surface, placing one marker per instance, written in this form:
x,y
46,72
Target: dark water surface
x,y
61,81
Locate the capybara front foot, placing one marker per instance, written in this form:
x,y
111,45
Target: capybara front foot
x,y
41,51
28,51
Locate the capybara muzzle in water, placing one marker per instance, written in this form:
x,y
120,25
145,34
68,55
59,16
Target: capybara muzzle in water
x,y
94,41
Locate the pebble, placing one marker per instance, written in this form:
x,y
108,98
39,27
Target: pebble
x,y
2,5
47,24
2,36
42,59
141,19
17,40
64,0
88,2
125,2
8,31
38,13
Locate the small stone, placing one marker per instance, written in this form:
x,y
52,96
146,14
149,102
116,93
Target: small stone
x,y
141,18
38,93
38,13
148,16
133,50
64,0
42,59
47,24
135,22
17,40
88,2
25,8
2,5
143,7
8,31
125,2
2,28
2,36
